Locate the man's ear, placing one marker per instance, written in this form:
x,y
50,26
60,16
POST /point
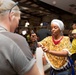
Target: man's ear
x,y
11,16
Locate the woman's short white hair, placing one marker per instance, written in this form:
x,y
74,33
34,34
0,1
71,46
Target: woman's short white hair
x,y
6,5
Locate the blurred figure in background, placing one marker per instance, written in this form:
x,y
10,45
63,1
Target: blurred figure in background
x,y
33,44
43,32
73,51
70,32
74,24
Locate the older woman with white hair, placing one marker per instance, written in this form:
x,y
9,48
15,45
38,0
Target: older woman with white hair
x,y
57,49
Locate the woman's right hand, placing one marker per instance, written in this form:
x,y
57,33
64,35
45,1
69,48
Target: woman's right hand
x,y
43,48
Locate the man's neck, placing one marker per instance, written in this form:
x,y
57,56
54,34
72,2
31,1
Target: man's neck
x,y
4,26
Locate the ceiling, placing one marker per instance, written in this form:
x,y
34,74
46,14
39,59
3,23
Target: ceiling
x,y
67,5
41,8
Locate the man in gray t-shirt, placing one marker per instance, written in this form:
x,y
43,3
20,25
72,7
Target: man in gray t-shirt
x,y
15,55
12,59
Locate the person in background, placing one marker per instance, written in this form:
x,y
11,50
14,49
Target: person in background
x,y
42,33
33,44
70,32
15,55
57,48
74,24
73,50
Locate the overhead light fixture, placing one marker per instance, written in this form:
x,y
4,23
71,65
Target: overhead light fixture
x,y
40,11
24,17
41,24
25,8
54,2
26,24
24,32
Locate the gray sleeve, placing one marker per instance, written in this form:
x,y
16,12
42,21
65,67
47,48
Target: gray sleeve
x,y
21,42
20,62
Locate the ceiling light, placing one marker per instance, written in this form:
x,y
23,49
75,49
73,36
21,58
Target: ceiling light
x,y
26,24
25,8
41,24
40,12
24,32
54,2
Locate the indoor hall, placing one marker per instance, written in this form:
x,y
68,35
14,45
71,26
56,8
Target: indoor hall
x,y
38,13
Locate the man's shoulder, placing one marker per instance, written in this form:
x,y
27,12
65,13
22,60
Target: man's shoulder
x,y
17,38
12,35
5,41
